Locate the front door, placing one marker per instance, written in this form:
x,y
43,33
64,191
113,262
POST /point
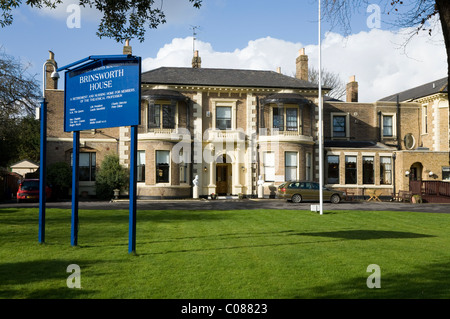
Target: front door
x,y
222,177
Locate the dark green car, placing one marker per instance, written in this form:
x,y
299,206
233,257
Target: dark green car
x,y
299,191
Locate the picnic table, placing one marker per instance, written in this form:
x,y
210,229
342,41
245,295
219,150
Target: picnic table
x,y
374,195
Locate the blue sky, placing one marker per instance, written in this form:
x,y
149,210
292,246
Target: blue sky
x,y
259,34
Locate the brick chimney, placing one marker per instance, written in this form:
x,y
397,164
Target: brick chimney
x,y
127,48
196,61
50,84
352,90
301,70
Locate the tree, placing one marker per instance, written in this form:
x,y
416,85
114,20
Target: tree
x,y
417,14
330,80
27,139
19,91
111,176
122,19
19,94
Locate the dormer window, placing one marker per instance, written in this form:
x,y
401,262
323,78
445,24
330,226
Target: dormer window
x,y
340,127
388,125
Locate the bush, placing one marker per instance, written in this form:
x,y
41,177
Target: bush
x,y
111,175
59,177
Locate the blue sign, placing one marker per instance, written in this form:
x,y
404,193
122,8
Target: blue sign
x,y
101,94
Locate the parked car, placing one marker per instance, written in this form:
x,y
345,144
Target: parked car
x,y
29,190
299,191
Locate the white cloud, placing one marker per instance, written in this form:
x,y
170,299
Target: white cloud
x,y
375,57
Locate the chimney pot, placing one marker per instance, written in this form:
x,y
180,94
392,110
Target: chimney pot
x,y
127,50
51,83
278,69
301,65
196,60
352,90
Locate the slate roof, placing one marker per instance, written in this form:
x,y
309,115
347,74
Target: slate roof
x,y
163,94
354,144
437,86
223,77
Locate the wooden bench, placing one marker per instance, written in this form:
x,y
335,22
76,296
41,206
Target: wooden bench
x,y
403,196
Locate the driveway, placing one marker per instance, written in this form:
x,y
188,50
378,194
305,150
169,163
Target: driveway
x,y
246,204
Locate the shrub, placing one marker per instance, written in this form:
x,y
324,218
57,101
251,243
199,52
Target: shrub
x,y
111,175
59,177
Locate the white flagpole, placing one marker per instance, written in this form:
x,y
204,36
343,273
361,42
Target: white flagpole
x,y
320,120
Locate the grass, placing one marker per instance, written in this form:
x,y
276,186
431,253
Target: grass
x,y
262,254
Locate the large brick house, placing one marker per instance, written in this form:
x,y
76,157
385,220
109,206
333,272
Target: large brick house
x,y
386,144
231,127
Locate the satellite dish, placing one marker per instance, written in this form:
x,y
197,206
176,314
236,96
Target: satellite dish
x,y
409,141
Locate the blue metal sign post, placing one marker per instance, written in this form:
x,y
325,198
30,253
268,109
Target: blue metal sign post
x,y
102,92
132,191
42,170
75,179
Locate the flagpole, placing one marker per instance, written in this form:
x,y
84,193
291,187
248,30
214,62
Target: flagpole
x,y
320,120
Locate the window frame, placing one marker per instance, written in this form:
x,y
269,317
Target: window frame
x,y
162,105
284,109
140,167
266,167
348,170
447,173
346,123
226,103
157,168
308,166
290,167
224,118
368,179
384,171
92,168
393,116
338,168
425,119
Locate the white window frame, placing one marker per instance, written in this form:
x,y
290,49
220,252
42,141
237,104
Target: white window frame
x,y
447,168
394,126
226,103
137,166
391,163
265,166
296,165
424,119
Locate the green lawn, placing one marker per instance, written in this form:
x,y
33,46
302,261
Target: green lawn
x,y
279,254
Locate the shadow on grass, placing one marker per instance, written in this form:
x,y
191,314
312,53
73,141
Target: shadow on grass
x,y
153,216
336,236
366,234
430,281
18,278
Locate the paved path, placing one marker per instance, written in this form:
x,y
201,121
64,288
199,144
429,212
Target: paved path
x,y
249,204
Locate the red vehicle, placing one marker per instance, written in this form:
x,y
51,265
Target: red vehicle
x,y
29,190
